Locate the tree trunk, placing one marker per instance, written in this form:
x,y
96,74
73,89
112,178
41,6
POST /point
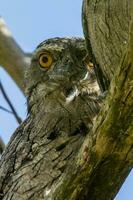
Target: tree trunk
x,y
96,167
106,25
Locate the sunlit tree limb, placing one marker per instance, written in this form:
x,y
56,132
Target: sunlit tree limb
x,y
12,57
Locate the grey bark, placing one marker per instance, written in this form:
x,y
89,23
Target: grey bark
x,y
106,25
12,57
105,156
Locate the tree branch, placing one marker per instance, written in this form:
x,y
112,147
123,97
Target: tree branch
x,y
106,33
12,58
10,104
6,110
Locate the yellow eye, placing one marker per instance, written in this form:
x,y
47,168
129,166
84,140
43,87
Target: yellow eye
x,y
45,60
89,64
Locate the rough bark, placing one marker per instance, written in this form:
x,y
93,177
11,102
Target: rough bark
x,y
106,25
12,57
106,154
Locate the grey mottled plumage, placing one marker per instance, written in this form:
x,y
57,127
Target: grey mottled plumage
x,y
69,89
62,102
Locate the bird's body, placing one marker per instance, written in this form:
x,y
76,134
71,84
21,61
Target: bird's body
x,y
70,91
62,102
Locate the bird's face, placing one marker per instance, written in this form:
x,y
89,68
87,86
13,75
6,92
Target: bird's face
x,y
59,62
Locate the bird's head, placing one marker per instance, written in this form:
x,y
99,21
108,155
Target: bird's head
x,y
60,62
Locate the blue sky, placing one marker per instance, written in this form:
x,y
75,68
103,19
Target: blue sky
x,y
30,23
